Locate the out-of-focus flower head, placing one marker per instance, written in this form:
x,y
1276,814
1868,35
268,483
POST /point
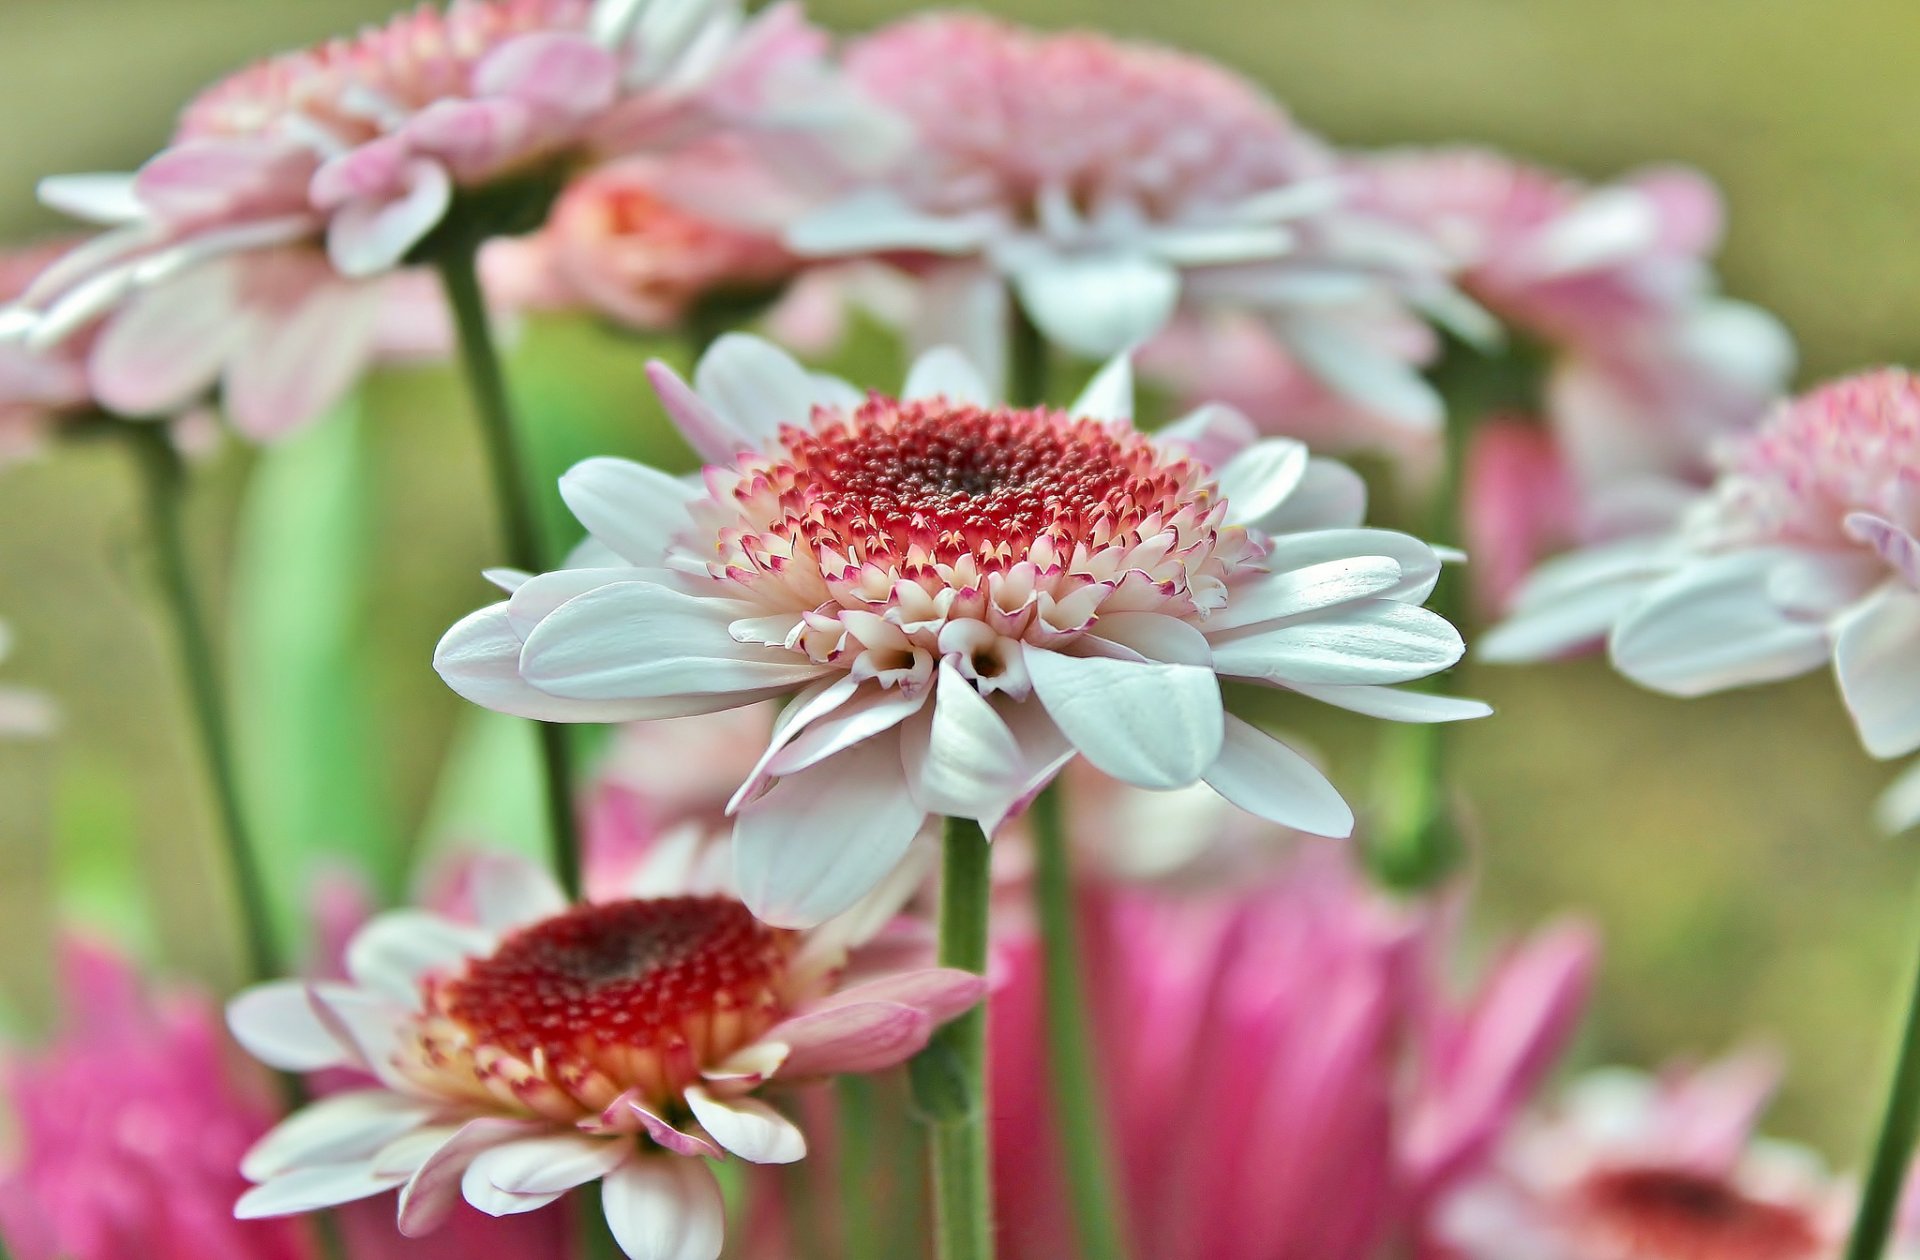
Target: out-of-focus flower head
x,y
250,252
1803,552
37,388
1646,365
1286,1073
126,1131
1665,1168
549,1046
1102,180
961,596
622,241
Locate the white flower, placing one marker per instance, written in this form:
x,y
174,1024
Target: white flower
x,y
959,598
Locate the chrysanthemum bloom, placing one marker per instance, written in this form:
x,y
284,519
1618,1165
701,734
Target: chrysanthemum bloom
x,y
959,597
1653,1169
1098,179
1803,552
126,1131
244,252
1646,365
1285,1072
550,1046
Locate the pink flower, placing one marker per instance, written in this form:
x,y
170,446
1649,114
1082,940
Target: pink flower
x,y
1101,180
247,252
1653,1169
1517,506
128,1130
1285,1074
1803,553
37,389
551,1046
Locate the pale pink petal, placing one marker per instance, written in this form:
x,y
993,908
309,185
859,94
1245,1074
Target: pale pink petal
x,y
664,1209
215,178
630,1113
166,347
748,1127
1152,725
373,234
569,75
713,437
510,892
301,362
861,1037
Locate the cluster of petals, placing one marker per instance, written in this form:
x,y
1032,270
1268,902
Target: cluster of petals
x,y
1286,1072
126,1130
253,251
547,1046
37,388
1657,1168
1803,552
959,598
1102,181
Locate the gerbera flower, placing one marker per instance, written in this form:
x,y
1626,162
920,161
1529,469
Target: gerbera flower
x,y
1804,552
960,597
1099,179
549,1046
241,252
1654,1169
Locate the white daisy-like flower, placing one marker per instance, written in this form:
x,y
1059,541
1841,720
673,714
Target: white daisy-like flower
x,y
1804,552
958,597
548,1046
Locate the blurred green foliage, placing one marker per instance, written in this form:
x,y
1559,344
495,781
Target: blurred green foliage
x,y
1722,845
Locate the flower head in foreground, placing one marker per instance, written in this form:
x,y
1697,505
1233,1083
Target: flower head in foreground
x,y
1100,179
1653,1169
551,1046
960,597
127,1129
1286,1073
1804,552
246,252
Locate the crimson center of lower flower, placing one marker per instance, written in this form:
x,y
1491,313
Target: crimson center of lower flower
x,y
1677,1214
948,479
625,994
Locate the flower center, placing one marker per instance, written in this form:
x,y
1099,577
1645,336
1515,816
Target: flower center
x,y
1676,1214
622,995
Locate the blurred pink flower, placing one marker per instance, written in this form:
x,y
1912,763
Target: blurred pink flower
x,y
1284,1070
127,1130
245,252
1664,1168
1516,505
37,388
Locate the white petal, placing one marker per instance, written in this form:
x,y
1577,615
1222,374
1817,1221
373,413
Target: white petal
x,y
1714,625
1396,705
664,1208
1213,432
1330,496
483,1196
748,1127
1569,604
1259,479
396,949
1877,660
1376,379
631,508
1373,641
551,1163
299,363
869,712
434,1187
480,659
277,1025
97,197
642,641
1270,780
167,346
1899,805
875,220
371,235
821,839
712,437
1308,589
1155,726
755,386
309,1189
510,892
961,760
1098,305
338,1129
1109,395
1154,637
944,372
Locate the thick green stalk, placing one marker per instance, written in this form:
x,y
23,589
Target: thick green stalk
x,y
1893,1149
164,478
950,1075
1085,1146
860,1235
456,254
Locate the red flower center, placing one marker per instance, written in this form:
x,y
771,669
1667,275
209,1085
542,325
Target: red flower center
x,y
636,993
950,480
1677,1214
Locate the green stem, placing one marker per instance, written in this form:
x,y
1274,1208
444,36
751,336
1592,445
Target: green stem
x,y
1893,1149
456,258
596,1238
949,1076
1085,1146
165,479
859,1239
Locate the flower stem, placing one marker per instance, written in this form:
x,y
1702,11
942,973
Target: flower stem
x,y
1085,1144
1893,1149
859,1238
1029,361
949,1076
164,476
456,257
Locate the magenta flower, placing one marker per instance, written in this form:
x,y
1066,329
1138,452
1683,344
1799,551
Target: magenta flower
x,y
1285,1072
129,1127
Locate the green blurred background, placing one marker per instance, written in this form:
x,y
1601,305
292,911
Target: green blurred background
x,y
1724,846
